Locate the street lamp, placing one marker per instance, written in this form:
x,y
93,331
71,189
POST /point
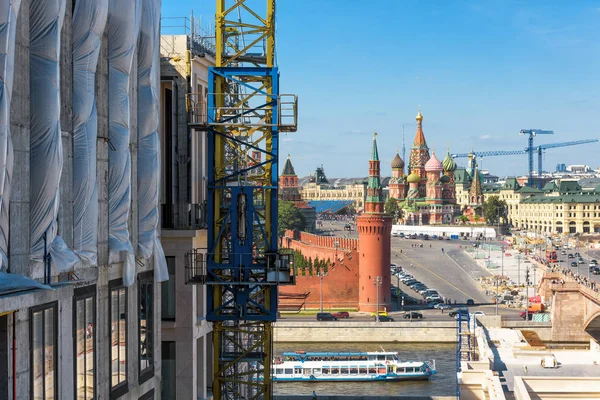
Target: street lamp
x,y
321,275
378,281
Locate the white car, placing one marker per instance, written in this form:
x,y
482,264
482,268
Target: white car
x,y
475,314
442,306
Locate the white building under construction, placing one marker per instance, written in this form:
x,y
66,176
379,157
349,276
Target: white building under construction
x,y
80,254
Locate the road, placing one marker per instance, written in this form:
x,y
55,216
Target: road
x,y
450,271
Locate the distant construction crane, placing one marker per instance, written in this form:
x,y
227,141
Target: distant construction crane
x,y
532,133
538,149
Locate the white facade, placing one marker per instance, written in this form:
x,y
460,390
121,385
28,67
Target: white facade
x,y
186,335
95,334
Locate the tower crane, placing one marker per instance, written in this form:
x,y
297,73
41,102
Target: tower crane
x,y
538,149
532,133
243,266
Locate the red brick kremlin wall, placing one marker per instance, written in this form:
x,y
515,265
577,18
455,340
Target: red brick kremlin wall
x,y
340,286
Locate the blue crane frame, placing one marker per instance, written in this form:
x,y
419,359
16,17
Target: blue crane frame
x,y
244,265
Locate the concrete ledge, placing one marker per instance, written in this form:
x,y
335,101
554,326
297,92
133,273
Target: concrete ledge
x,y
347,331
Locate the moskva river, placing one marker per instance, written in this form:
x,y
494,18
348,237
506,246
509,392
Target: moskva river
x,y
441,384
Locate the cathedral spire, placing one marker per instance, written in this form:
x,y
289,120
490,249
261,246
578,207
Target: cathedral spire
x,y
374,202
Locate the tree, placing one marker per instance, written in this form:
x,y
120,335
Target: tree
x,y
495,210
290,217
463,219
392,208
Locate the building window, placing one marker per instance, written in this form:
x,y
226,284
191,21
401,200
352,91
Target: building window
x,y
43,332
168,363
118,338
146,325
84,334
167,293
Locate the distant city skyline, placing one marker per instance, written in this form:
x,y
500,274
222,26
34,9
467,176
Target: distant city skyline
x,y
481,72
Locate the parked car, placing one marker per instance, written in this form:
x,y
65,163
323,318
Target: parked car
x,y
596,271
325,316
574,264
433,298
570,255
470,302
384,313
341,314
401,235
413,315
477,313
595,262
442,306
581,261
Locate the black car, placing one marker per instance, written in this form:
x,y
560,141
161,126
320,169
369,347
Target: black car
x,y
384,318
413,315
325,316
470,302
570,256
463,311
596,271
574,264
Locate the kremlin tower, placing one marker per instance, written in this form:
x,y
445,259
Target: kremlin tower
x,y
374,233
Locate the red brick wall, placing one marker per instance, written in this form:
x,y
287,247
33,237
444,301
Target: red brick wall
x,y
340,286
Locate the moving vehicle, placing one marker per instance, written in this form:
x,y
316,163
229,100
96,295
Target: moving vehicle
x,y
348,367
470,302
570,255
325,316
341,314
551,256
384,318
595,262
462,311
442,306
596,271
413,315
384,313
574,264
477,314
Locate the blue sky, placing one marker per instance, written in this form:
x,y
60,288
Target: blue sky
x,y
480,70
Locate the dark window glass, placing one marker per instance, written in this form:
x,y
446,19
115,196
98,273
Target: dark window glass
x,y
118,335
167,382
84,335
43,332
146,326
168,292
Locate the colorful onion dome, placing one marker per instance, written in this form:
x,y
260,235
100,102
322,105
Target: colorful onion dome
x,y
433,165
449,164
397,162
413,177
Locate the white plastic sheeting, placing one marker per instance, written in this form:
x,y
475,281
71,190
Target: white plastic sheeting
x,y
89,20
9,11
123,28
148,140
46,153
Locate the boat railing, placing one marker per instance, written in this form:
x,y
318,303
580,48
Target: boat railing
x,y
431,364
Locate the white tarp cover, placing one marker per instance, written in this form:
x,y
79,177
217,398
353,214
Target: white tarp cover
x,y
89,20
123,28
46,152
9,11
14,282
148,140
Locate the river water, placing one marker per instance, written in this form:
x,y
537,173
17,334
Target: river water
x,y
443,383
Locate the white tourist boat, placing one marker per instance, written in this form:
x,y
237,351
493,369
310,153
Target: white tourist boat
x,y
354,366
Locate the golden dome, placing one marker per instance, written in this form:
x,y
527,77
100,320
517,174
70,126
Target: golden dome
x,y
419,116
